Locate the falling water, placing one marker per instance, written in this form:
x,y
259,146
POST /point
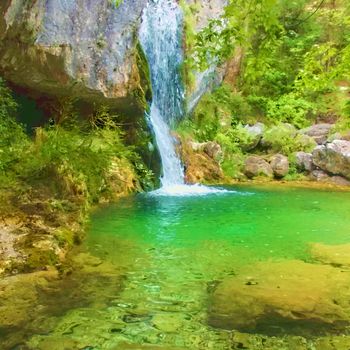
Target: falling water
x,y
161,39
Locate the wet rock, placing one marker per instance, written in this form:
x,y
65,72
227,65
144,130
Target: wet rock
x,y
290,296
304,161
319,132
135,318
337,255
19,297
201,162
257,166
255,133
200,168
333,157
169,323
280,165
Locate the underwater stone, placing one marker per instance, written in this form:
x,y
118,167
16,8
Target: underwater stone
x,y
288,294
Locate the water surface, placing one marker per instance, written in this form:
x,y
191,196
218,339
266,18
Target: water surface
x,y
161,256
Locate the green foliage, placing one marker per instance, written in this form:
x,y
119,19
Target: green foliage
x,y
291,109
283,138
219,111
318,72
13,140
189,11
72,159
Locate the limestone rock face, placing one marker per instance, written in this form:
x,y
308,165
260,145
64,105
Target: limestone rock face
x,y
257,166
73,48
81,49
280,165
201,162
333,157
266,296
319,132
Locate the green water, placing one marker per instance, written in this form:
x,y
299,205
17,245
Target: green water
x,y
160,257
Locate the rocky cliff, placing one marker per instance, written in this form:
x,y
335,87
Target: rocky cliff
x,y
85,49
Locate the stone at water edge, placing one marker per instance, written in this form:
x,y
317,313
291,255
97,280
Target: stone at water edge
x,y
333,157
257,166
304,161
340,181
269,294
319,175
319,132
280,165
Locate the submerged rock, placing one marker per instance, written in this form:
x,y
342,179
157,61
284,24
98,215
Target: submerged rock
x,y
319,132
288,296
280,165
257,166
337,255
333,157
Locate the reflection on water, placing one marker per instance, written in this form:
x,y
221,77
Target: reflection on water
x,y
177,272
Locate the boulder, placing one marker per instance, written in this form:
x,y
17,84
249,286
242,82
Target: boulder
x,y
75,49
304,161
212,149
319,176
280,165
340,181
255,133
257,166
199,168
319,132
268,296
333,157
340,136
83,50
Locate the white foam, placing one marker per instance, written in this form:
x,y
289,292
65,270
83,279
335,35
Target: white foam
x,y
188,190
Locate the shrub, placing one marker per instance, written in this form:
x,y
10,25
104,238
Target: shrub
x,y
283,138
290,109
13,140
219,111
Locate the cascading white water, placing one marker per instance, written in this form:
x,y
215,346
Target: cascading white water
x,y
160,37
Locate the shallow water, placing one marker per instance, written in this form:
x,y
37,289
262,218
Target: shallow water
x,y
154,261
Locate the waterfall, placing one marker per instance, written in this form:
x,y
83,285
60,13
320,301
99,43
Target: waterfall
x,y
161,39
